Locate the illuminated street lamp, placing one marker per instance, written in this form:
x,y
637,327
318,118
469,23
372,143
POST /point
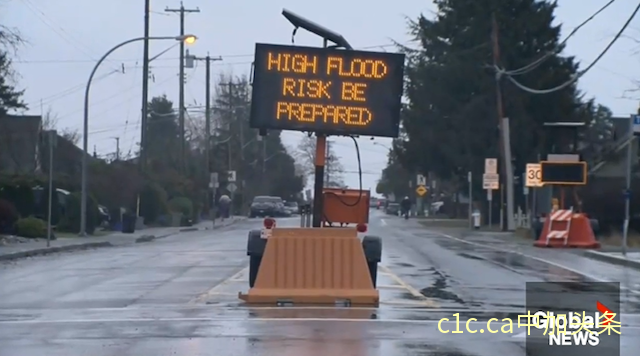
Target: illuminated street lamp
x,y
189,39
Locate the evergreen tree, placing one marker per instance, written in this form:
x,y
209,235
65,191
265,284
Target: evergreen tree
x,y
10,97
450,119
163,135
395,179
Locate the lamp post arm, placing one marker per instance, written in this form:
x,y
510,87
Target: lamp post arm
x,y
85,132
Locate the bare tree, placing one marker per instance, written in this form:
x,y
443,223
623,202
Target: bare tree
x,y
10,37
50,122
306,157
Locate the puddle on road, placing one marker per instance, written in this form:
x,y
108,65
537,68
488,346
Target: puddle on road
x,y
471,257
438,289
404,264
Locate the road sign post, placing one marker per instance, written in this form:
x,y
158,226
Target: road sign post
x,y
491,181
421,190
491,165
490,199
470,181
533,178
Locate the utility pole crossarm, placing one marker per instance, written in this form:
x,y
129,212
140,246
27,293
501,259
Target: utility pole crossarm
x,y
181,106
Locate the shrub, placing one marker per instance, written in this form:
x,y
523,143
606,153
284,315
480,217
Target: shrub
x,y
181,205
31,227
8,216
71,221
41,196
153,202
25,200
21,195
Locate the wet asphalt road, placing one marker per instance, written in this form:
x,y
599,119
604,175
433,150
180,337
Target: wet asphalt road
x,y
178,296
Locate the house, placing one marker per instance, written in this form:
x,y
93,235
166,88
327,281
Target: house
x,y
24,149
67,157
19,140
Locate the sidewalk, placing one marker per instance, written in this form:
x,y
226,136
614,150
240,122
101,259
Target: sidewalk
x,y
613,255
509,240
211,225
63,244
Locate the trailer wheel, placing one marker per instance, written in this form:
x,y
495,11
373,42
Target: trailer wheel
x,y
254,267
372,246
373,271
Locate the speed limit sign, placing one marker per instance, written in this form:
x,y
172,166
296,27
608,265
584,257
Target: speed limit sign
x,y
534,175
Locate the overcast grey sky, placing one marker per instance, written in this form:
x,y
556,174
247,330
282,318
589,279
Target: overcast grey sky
x,y
66,37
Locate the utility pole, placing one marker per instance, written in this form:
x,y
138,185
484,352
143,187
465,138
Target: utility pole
x,y
117,148
240,122
207,92
505,157
182,11
53,138
145,88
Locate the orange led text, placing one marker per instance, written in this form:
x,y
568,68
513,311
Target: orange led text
x,y
328,114
306,88
356,68
353,91
295,63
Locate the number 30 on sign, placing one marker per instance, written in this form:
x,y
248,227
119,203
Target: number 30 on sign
x,y
534,175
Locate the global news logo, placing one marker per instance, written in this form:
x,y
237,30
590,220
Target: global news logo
x,y
576,329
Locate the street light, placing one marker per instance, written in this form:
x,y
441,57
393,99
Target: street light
x,y
189,39
381,145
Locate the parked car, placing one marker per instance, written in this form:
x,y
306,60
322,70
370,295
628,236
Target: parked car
x,y
263,206
393,209
292,207
281,211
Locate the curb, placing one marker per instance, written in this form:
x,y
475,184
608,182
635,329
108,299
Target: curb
x,y
146,238
50,250
604,257
189,229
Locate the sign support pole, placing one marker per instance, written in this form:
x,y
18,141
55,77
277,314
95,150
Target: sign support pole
x,y
490,199
627,195
321,145
470,200
318,198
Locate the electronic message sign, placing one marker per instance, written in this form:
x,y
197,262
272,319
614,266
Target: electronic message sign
x,y
326,90
563,173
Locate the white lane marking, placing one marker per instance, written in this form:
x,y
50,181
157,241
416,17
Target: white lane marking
x,y
245,320
589,276
383,222
414,292
390,286
218,319
213,290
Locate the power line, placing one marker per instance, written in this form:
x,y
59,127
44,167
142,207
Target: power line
x,y
247,55
59,30
66,92
535,64
116,106
578,75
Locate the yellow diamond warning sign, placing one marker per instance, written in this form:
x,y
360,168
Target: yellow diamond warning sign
x,y
421,190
